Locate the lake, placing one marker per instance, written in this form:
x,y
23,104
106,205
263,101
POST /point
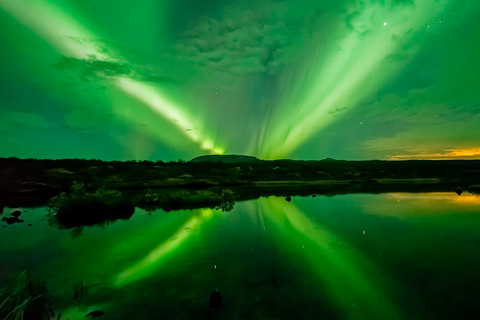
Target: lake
x,y
356,256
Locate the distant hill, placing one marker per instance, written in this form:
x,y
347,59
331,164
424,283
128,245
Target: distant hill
x,y
228,158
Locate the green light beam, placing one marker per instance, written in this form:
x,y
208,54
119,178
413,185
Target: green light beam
x,y
72,39
156,101
350,72
57,27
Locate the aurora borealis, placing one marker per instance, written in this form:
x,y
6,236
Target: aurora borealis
x,y
113,80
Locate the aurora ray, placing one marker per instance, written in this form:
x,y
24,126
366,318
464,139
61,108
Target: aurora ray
x,y
350,73
72,39
349,79
167,110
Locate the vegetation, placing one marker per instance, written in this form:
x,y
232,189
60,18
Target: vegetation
x,y
227,199
174,199
199,183
81,208
79,195
27,298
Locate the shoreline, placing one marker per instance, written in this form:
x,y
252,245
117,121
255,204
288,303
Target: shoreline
x,y
186,185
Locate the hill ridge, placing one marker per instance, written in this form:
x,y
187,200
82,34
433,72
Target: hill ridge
x,y
226,158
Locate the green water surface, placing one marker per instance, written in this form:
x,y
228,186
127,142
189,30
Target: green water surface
x,y
358,256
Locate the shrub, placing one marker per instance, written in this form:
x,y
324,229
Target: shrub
x,y
81,208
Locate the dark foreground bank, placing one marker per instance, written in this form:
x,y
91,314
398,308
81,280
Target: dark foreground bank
x,y
202,181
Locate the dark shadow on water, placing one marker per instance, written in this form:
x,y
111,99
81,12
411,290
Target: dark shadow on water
x,y
79,212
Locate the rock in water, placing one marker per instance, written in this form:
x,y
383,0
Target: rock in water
x,y
215,300
95,314
16,214
474,189
458,191
314,195
288,199
11,220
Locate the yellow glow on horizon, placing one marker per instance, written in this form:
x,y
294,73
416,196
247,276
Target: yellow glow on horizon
x,y
422,205
472,152
449,154
437,197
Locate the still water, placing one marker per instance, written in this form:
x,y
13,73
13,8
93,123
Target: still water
x,y
358,256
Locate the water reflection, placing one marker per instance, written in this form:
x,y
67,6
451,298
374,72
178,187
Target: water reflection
x,y
144,267
421,204
356,256
336,262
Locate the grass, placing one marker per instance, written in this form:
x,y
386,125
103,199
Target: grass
x,y
26,299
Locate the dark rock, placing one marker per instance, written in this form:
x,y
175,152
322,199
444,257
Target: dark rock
x,y
215,300
458,191
11,220
314,195
475,189
95,314
288,198
30,224
16,214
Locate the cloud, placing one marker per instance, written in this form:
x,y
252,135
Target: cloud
x,y
101,50
415,125
247,42
106,62
92,69
429,140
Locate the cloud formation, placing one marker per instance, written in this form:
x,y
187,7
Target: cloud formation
x,y
240,42
353,79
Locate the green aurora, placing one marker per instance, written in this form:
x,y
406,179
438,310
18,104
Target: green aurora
x,y
112,80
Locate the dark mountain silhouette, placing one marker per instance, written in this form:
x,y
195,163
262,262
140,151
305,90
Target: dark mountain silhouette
x,y
227,158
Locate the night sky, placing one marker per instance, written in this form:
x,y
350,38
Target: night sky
x,y
299,79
